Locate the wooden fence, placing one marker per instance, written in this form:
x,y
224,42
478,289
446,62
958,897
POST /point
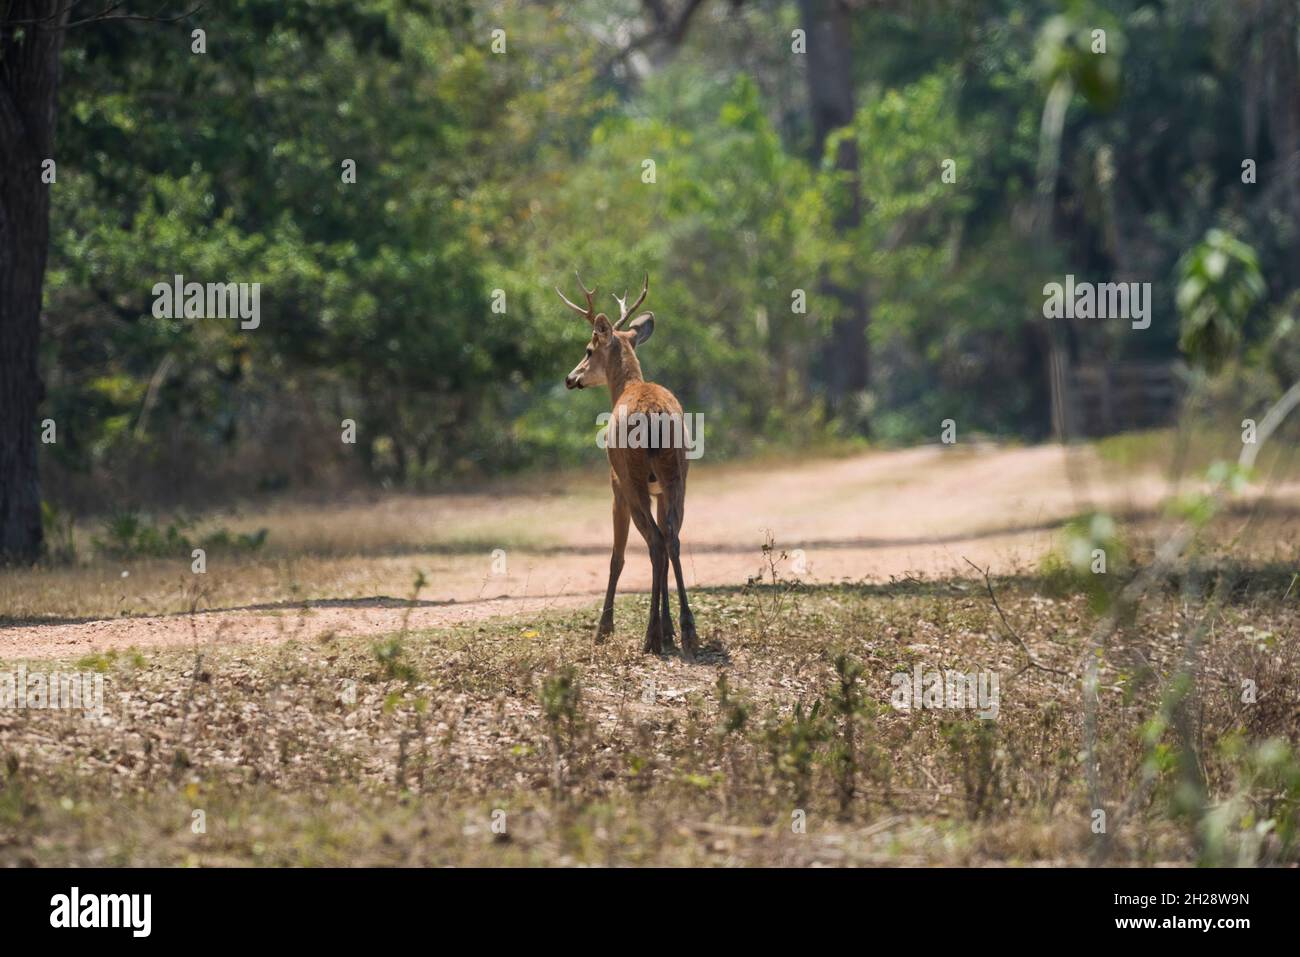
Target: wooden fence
x,y
1105,398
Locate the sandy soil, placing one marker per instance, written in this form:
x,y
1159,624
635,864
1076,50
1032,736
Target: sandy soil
x,y
921,511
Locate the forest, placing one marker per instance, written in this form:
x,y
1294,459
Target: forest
x,y
849,213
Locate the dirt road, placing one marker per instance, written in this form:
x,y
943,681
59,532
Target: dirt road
x,y
918,511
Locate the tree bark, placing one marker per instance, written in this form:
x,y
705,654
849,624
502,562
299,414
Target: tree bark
x,y
31,39
1280,22
828,26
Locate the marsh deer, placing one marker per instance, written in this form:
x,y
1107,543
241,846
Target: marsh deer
x,y
638,474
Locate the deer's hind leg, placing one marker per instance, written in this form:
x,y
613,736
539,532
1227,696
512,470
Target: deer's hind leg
x,y
644,520
675,513
661,514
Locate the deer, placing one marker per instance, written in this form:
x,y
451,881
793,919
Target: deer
x,y
638,475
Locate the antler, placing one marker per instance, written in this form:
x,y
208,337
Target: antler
x,y
624,310
590,312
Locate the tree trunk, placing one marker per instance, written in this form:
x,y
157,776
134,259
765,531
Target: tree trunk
x,y
1056,332
828,26
31,38
1280,22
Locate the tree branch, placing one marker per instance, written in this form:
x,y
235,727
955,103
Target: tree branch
x,y
668,28
103,16
1033,662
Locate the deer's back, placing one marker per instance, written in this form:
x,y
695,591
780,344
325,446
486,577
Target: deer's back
x,y
658,467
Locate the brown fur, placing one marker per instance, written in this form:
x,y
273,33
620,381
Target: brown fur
x,y
611,360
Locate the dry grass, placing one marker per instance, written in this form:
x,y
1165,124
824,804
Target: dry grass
x,y
400,750
140,587
339,552
602,755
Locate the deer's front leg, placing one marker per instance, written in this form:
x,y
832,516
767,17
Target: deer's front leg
x,y
621,519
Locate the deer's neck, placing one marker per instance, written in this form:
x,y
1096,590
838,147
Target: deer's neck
x,y
623,370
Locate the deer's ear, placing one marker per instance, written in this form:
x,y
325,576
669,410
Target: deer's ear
x,y
602,326
643,325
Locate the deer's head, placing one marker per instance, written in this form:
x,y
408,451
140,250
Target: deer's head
x,y
610,344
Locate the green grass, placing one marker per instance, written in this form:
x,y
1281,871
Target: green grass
x,y
1192,450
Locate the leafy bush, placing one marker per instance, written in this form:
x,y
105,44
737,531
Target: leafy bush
x,y
128,533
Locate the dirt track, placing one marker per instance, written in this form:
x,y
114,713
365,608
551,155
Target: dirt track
x,y
919,511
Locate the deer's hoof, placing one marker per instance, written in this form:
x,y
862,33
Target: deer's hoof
x,y
604,630
690,644
654,643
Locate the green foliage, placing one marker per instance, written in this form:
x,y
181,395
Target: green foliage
x,y
1091,557
236,176
1219,283
728,229
973,745
223,539
392,660
482,180
849,710
60,539
104,661
943,306
128,533
1083,48
733,712
561,696
1259,822
793,742
1277,352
